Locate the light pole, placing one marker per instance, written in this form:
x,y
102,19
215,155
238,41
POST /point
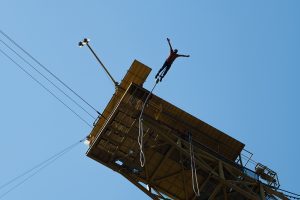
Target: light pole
x,y
85,41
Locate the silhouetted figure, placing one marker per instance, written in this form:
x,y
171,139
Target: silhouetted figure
x,y
167,65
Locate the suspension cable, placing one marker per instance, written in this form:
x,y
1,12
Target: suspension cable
x,y
43,86
287,193
75,102
46,69
39,167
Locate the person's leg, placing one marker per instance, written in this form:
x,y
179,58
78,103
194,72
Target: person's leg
x,y
162,68
162,72
165,72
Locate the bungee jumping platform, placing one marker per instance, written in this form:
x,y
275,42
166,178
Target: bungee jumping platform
x,y
185,158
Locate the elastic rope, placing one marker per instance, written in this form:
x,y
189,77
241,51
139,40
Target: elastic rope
x,y
193,168
141,129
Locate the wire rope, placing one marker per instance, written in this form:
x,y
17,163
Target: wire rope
x,y
43,86
39,167
291,193
75,102
46,69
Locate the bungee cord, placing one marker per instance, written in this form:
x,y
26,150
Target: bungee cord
x,y
193,168
141,129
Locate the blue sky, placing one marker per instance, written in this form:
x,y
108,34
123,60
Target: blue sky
x,y
242,78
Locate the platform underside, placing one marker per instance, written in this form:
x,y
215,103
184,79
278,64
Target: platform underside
x,y
167,169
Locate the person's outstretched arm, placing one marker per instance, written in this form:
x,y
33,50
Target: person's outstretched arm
x,y
171,49
179,55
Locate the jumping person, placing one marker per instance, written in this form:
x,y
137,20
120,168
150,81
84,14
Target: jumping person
x,y
167,65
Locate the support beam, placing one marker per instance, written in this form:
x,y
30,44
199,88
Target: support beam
x,y
172,175
155,146
149,122
146,171
136,183
204,183
262,192
225,193
215,192
183,177
158,192
161,163
242,191
202,186
276,193
221,172
172,196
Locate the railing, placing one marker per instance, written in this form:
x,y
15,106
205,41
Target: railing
x,y
250,173
260,172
